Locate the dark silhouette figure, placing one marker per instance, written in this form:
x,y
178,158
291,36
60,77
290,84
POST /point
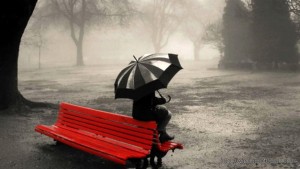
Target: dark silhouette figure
x,y
150,108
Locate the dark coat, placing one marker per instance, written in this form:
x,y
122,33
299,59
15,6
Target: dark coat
x,y
143,109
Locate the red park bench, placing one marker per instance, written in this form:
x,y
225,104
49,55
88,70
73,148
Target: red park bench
x,y
111,136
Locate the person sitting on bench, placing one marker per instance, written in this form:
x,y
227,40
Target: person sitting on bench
x,y
150,108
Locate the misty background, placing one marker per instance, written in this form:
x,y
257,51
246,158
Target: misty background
x,y
73,50
47,41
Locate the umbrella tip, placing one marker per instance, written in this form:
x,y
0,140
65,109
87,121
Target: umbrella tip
x,y
135,58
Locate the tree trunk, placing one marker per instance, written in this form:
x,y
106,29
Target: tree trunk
x,y
156,43
8,75
78,41
79,60
40,50
81,35
14,18
156,48
196,51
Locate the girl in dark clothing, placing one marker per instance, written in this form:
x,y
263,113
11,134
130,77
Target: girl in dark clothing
x,y
150,108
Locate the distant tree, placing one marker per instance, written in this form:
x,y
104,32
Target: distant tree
x,y
197,23
235,33
194,23
294,6
213,36
275,36
160,20
34,37
80,14
14,16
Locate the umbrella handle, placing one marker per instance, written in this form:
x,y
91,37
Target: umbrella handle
x,y
170,98
167,101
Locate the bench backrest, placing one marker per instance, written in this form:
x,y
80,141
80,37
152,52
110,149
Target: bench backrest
x,y
119,128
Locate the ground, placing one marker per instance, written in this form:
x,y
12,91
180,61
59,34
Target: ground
x,y
225,119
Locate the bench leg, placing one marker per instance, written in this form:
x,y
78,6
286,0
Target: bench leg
x,y
156,164
57,143
141,163
156,153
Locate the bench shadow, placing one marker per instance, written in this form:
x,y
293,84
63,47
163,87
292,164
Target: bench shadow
x,y
61,156
64,156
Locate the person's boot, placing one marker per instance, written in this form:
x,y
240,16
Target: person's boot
x,y
164,136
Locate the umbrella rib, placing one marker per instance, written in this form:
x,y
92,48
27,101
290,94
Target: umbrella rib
x,y
138,77
150,73
124,71
147,55
157,59
156,71
131,78
156,55
125,77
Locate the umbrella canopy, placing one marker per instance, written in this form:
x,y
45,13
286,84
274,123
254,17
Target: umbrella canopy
x,y
145,75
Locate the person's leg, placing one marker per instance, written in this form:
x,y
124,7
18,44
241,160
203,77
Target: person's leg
x,y
163,117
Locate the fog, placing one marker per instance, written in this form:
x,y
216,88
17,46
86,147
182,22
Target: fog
x,y
114,42
225,118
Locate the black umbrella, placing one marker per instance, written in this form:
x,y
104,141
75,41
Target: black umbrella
x,y
145,75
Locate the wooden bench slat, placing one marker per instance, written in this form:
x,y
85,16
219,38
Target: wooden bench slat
x,y
106,125
107,133
169,145
93,143
140,132
139,137
131,147
50,133
108,115
146,144
115,149
107,121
